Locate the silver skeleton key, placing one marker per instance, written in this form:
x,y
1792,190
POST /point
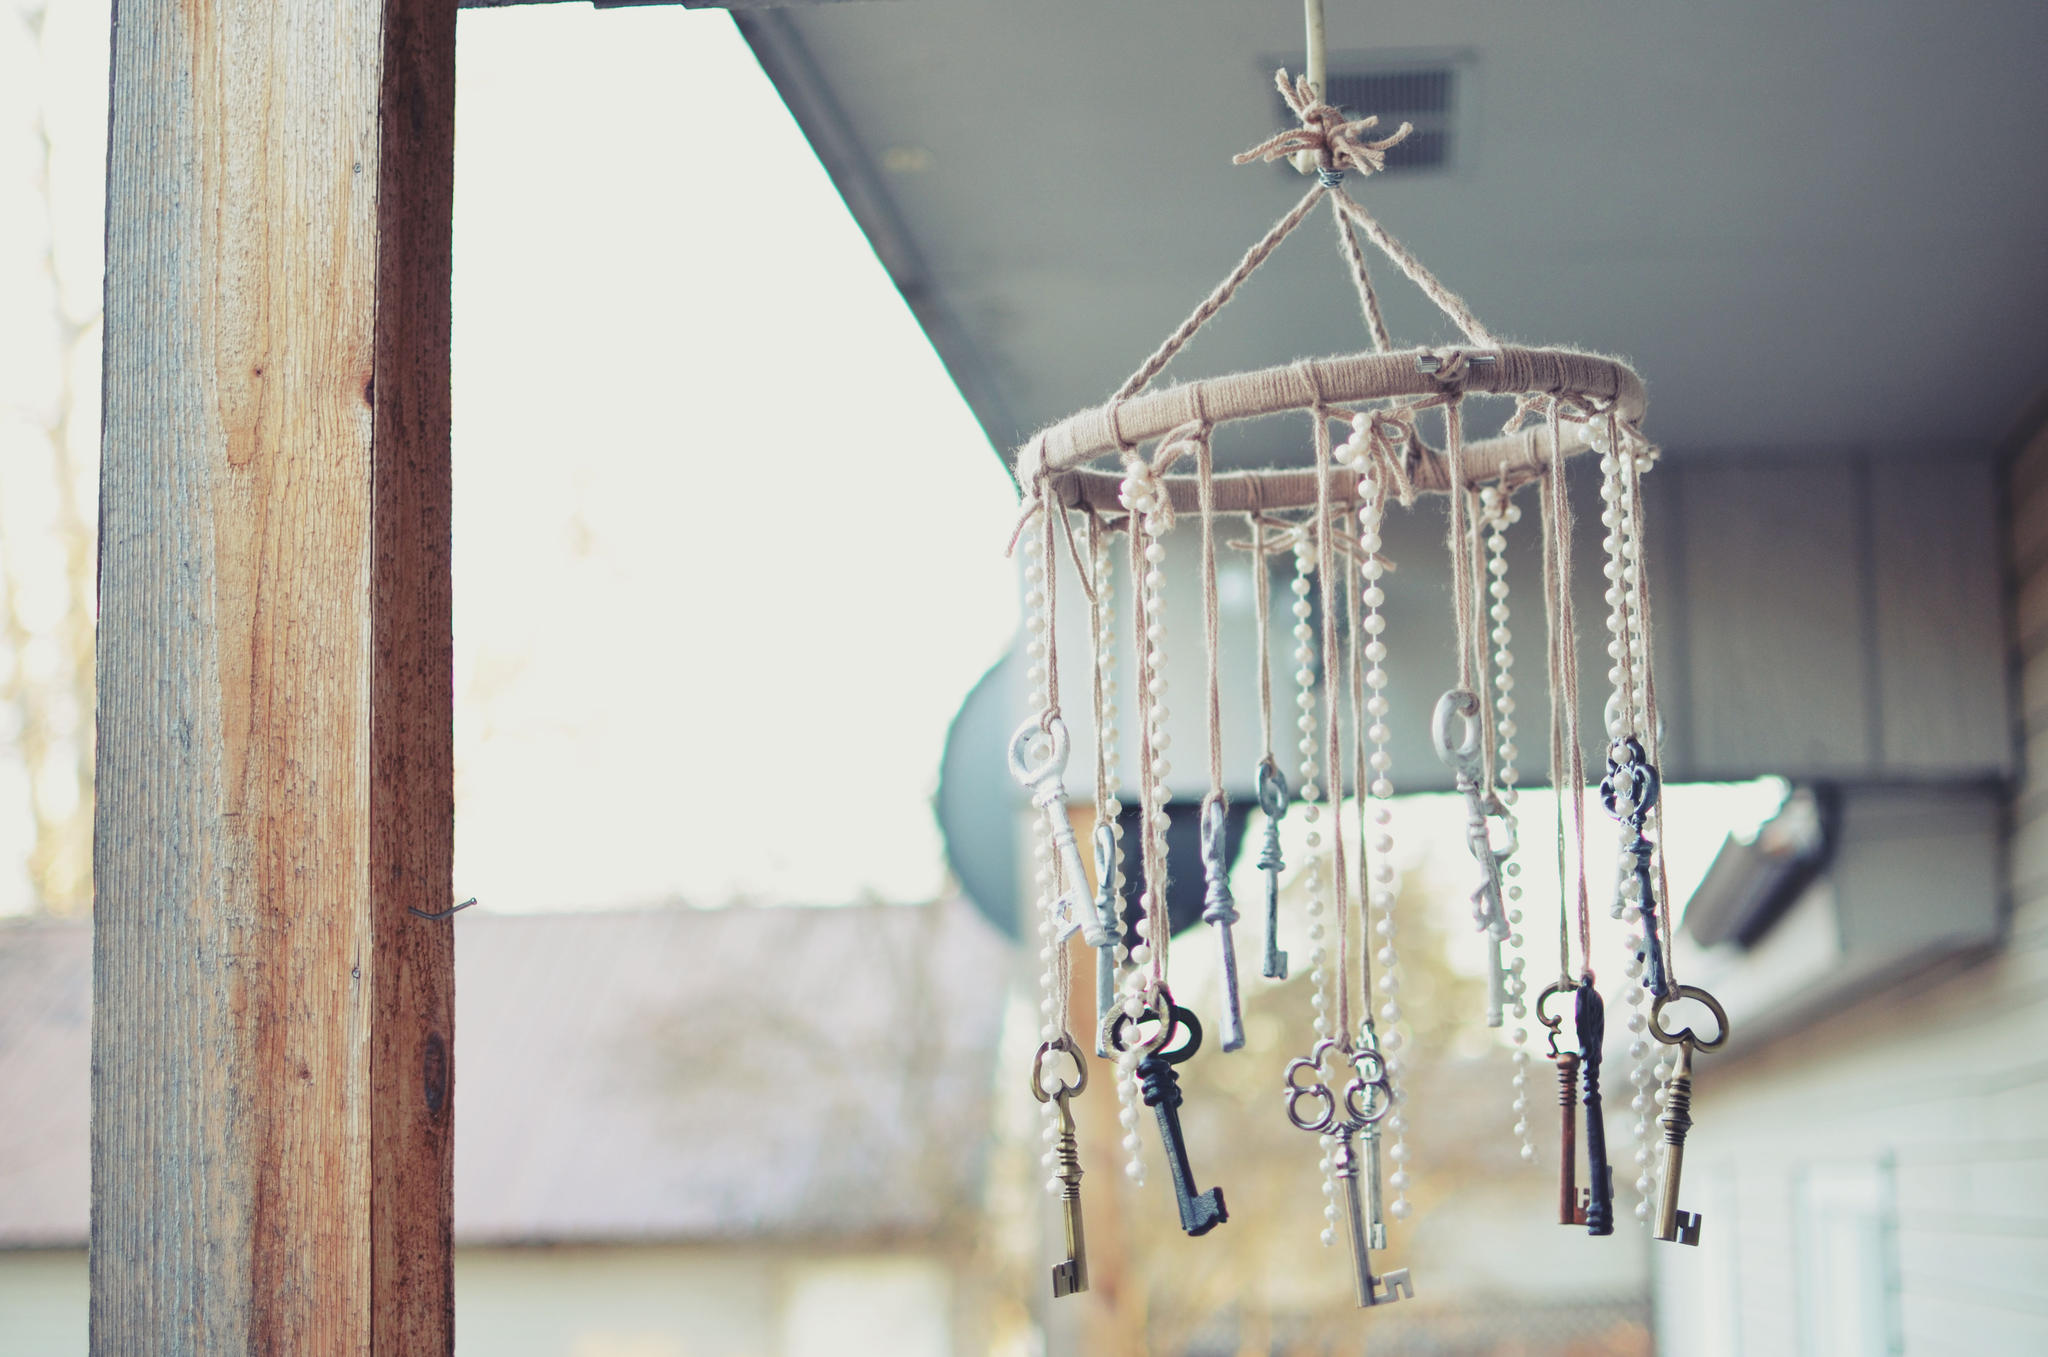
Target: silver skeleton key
x,y
1273,801
1109,916
1342,1117
1489,909
1221,911
1375,1206
1073,909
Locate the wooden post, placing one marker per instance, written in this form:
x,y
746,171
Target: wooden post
x,y
273,1029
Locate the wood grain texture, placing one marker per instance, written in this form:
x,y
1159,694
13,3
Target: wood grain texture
x,y
274,704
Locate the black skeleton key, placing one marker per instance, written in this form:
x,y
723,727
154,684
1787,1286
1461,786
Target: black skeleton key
x,y
1629,792
1590,1015
1273,801
1200,1212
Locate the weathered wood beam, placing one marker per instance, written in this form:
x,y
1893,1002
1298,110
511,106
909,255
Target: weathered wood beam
x,y
272,1082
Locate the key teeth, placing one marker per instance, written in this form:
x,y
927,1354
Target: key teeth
x,y
1398,1287
1067,1279
1209,1211
1688,1228
1276,966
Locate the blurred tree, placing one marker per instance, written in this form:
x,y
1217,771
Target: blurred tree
x,y
47,552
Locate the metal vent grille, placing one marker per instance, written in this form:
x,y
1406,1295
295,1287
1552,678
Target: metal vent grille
x,y
1423,95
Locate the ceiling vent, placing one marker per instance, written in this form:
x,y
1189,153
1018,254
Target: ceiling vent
x,y
1424,94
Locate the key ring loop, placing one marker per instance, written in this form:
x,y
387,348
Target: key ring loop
x,y
1462,756
1060,1043
1556,1024
1355,1101
1686,1034
1053,765
1172,1020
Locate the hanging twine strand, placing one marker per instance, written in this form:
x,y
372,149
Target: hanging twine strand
x,y
1653,732
1557,529
1354,640
1462,581
1211,617
1333,756
1361,278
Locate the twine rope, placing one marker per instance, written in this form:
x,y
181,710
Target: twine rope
x,y
1359,781
1568,763
1653,738
1333,765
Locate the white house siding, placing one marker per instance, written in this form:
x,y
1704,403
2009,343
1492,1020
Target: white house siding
x,y
1878,1182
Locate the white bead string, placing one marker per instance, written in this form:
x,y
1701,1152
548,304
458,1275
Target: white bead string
x,y
1037,622
1385,879
1321,997
1497,512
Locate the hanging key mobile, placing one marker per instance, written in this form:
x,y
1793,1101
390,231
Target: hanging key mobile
x,y
1341,1116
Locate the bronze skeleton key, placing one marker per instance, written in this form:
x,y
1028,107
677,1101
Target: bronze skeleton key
x,y
1571,1203
1673,1225
1071,1273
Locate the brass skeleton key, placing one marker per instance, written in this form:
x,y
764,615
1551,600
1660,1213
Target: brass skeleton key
x,y
1071,1273
1673,1225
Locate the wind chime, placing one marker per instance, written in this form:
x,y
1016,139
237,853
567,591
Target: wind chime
x,y
1142,463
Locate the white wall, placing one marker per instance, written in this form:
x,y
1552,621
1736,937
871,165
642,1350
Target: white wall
x,y
1878,1182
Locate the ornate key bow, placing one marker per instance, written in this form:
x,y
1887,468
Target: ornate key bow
x,y
1366,1097
1629,791
1673,1225
1045,779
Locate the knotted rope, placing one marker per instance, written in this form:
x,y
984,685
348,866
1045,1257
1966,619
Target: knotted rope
x,y
1336,143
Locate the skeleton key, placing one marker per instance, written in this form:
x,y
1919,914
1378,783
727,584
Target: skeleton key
x,y
1071,1274
1463,758
1341,1117
1673,1225
1200,1212
1629,791
1073,910
1590,1016
1110,917
1220,911
1571,1205
1273,801
1375,1206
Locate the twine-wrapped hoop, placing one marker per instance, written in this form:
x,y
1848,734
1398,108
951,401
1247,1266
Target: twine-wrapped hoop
x,y
1589,383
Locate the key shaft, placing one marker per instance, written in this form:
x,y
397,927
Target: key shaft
x,y
1110,918
1592,1029
1070,1275
1673,1225
1159,1085
1219,911
1570,1211
1272,800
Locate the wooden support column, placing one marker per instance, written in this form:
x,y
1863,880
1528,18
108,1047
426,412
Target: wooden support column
x,y
273,1029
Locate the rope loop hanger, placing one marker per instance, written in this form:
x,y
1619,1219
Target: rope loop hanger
x,y
1590,391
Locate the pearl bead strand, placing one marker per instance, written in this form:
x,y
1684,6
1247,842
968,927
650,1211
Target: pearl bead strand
x,y
1497,512
1385,881
1037,622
